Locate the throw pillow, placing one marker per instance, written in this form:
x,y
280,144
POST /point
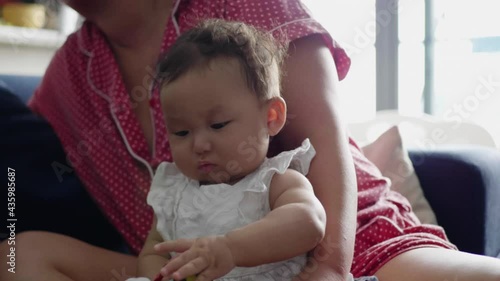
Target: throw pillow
x,y
390,156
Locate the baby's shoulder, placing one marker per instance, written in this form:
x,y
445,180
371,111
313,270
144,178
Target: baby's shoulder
x,y
290,177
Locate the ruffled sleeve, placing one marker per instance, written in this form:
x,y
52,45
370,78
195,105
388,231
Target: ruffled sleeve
x,y
298,159
163,197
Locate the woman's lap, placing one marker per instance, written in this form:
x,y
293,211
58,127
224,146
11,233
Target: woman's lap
x,y
387,241
393,247
438,264
51,256
49,196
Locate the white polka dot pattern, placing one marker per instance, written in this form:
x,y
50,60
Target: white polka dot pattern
x,y
82,94
386,226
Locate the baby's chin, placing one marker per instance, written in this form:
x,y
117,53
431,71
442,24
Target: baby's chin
x,y
217,176
211,181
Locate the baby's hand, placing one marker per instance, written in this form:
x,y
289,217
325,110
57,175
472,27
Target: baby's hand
x,y
208,257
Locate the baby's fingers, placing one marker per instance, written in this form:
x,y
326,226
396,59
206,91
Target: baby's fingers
x,y
177,246
188,269
176,263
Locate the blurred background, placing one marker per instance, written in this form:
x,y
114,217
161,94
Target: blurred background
x,y
441,57
30,32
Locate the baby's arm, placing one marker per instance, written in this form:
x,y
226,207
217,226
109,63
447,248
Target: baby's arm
x,y
295,225
150,261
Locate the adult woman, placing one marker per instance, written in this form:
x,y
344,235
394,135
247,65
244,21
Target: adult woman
x,y
97,81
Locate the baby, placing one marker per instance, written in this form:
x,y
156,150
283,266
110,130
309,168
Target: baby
x,y
223,210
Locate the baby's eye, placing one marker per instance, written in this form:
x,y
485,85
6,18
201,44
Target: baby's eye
x,y
181,133
221,125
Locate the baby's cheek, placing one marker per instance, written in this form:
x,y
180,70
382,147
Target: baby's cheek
x,y
233,167
182,162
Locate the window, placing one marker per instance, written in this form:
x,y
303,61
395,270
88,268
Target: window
x,y
352,24
463,74
446,57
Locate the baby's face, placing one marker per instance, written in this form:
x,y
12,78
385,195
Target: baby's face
x,y
217,127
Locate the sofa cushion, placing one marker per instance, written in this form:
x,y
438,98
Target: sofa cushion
x,y
46,200
21,86
462,184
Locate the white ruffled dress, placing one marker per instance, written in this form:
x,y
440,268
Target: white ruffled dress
x,y
186,209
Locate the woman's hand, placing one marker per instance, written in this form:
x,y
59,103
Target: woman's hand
x,y
208,257
320,272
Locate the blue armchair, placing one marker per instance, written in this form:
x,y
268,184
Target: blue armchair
x,y
462,185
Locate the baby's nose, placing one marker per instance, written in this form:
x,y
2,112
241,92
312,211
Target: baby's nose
x,y
201,143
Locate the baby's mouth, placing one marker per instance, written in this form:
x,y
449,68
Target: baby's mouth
x,y
206,167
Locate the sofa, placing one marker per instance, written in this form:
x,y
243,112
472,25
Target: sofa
x,y
461,183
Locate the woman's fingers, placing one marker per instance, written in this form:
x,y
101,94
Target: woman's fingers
x,y
178,246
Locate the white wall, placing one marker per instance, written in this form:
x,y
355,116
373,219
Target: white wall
x,y
24,60
27,51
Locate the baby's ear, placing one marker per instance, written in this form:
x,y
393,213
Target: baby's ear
x,y
276,115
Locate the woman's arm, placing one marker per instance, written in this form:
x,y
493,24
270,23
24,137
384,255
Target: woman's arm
x,y
150,261
309,88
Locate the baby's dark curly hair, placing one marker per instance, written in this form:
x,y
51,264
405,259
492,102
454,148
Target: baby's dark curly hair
x,y
259,54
